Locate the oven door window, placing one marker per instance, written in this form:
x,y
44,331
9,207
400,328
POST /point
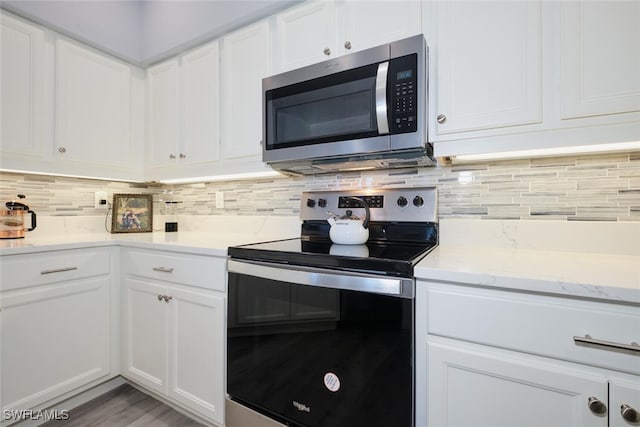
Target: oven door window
x,y
314,356
328,109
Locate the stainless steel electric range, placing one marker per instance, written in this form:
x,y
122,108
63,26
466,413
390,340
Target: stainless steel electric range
x,y
321,334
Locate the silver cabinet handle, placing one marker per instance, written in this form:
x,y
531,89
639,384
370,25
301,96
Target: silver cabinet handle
x,y
58,270
183,156
160,297
347,45
327,51
441,118
62,150
163,269
629,414
172,156
634,346
596,406
167,298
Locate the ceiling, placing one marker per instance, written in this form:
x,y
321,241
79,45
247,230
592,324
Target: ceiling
x,y
144,31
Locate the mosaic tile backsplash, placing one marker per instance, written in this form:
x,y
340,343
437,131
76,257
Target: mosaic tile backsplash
x,y
583,188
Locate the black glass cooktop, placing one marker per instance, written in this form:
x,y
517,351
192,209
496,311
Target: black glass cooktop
x,y
391,250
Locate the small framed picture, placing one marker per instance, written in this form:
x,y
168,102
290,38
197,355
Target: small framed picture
x,y
132,213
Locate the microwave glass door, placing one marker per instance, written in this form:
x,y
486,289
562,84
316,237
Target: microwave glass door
x,y
337,107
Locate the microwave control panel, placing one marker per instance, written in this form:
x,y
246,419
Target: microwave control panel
x,y
403,84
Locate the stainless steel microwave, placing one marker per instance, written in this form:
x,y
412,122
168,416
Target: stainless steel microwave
x,y
360,111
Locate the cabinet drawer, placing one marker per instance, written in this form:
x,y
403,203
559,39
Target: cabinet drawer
x,y
25,270
194,270
536,324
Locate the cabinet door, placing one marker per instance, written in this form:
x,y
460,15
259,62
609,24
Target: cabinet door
x,y
471,385
487,65
55,338
162,114
197,351
624,403
246,61
200,140
22,87
305,35
145,334
361,25
600,59
93,106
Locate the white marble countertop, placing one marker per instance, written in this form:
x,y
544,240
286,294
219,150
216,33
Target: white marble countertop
x,y
502,255
205,236
583,259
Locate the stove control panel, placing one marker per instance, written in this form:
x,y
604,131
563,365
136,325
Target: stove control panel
x,y
418,204
374,202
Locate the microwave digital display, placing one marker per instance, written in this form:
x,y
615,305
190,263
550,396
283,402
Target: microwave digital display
x,y
406,74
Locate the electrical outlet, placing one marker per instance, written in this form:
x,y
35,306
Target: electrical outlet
x,y
101,199
219,200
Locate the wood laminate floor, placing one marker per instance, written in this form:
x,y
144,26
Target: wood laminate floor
x,y
124,406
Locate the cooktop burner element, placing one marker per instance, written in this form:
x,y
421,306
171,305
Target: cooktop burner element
x,y
402,230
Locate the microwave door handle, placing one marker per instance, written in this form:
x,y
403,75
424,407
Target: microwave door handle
x,y
381,98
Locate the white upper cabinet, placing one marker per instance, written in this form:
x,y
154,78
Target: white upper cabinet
x,y
162,114
600,59
93,106
487,66
66,108
183,114
526,75
201,135
304,35
22,78
364,24
318,30
246,60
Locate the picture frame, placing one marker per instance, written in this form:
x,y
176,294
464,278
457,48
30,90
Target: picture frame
x,y
132,213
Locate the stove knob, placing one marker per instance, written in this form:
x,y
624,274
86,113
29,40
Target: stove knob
x,y
402,201
418,201
311,203
322,203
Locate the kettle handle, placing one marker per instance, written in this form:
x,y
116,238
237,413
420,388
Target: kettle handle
x,y
367,214
33,220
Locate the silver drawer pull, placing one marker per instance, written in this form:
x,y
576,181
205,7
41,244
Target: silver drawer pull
x,y
58,270
163,269
634,346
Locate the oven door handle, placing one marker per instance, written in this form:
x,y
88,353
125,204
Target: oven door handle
x,y
392,286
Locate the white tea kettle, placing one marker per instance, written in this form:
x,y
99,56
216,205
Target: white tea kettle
x,y
349,229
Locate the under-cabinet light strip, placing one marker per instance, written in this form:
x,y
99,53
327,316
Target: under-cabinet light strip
x,y
542,152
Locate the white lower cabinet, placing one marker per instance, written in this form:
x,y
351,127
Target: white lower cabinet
x,y
624,403
472,385
57,326
174,327
496,358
